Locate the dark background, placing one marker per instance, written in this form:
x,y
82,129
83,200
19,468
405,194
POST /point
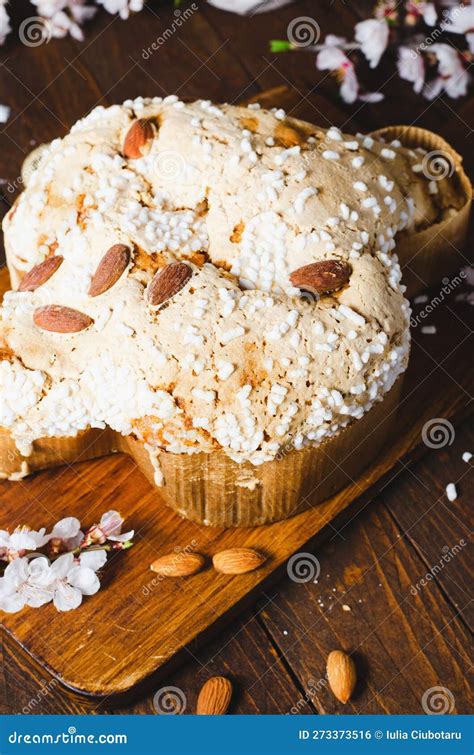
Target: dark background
x,y
276,652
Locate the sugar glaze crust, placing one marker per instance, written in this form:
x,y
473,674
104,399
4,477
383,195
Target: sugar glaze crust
x,y
237,358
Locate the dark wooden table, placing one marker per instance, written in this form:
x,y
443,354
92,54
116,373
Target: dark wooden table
x,y
405,640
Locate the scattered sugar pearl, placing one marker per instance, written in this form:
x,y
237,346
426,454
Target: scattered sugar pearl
x,y
451,491
351,315
345,607
329,154
358,162
389,154
302,198
433,187
429,330
345,212
4,113
369,202
360,186
224,369
467,456
334,134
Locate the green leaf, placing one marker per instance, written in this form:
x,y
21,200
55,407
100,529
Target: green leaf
x,y
279,45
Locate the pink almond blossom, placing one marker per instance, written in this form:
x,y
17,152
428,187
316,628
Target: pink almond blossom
x,y
372,36
452,77
460,20
332,58
411,67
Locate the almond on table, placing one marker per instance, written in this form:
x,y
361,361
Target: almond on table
x,y
178,564
342,675
237,560
215,697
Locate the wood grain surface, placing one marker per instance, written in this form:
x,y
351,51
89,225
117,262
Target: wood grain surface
x,y
406,639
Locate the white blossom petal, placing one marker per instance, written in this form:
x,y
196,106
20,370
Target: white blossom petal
x,y
372,36
123,537
11,603
111,523
85,579
93,559
243,7
62,566
66,528
411,67
5,27
66,597
330,58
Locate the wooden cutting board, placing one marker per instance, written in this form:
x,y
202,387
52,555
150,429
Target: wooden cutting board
x,y
130,633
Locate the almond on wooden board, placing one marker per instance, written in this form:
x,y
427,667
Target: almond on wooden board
x,y
138,138
109,269
167,282
58,319
178,564
214,697
40,273
237,560
341,674
321,277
